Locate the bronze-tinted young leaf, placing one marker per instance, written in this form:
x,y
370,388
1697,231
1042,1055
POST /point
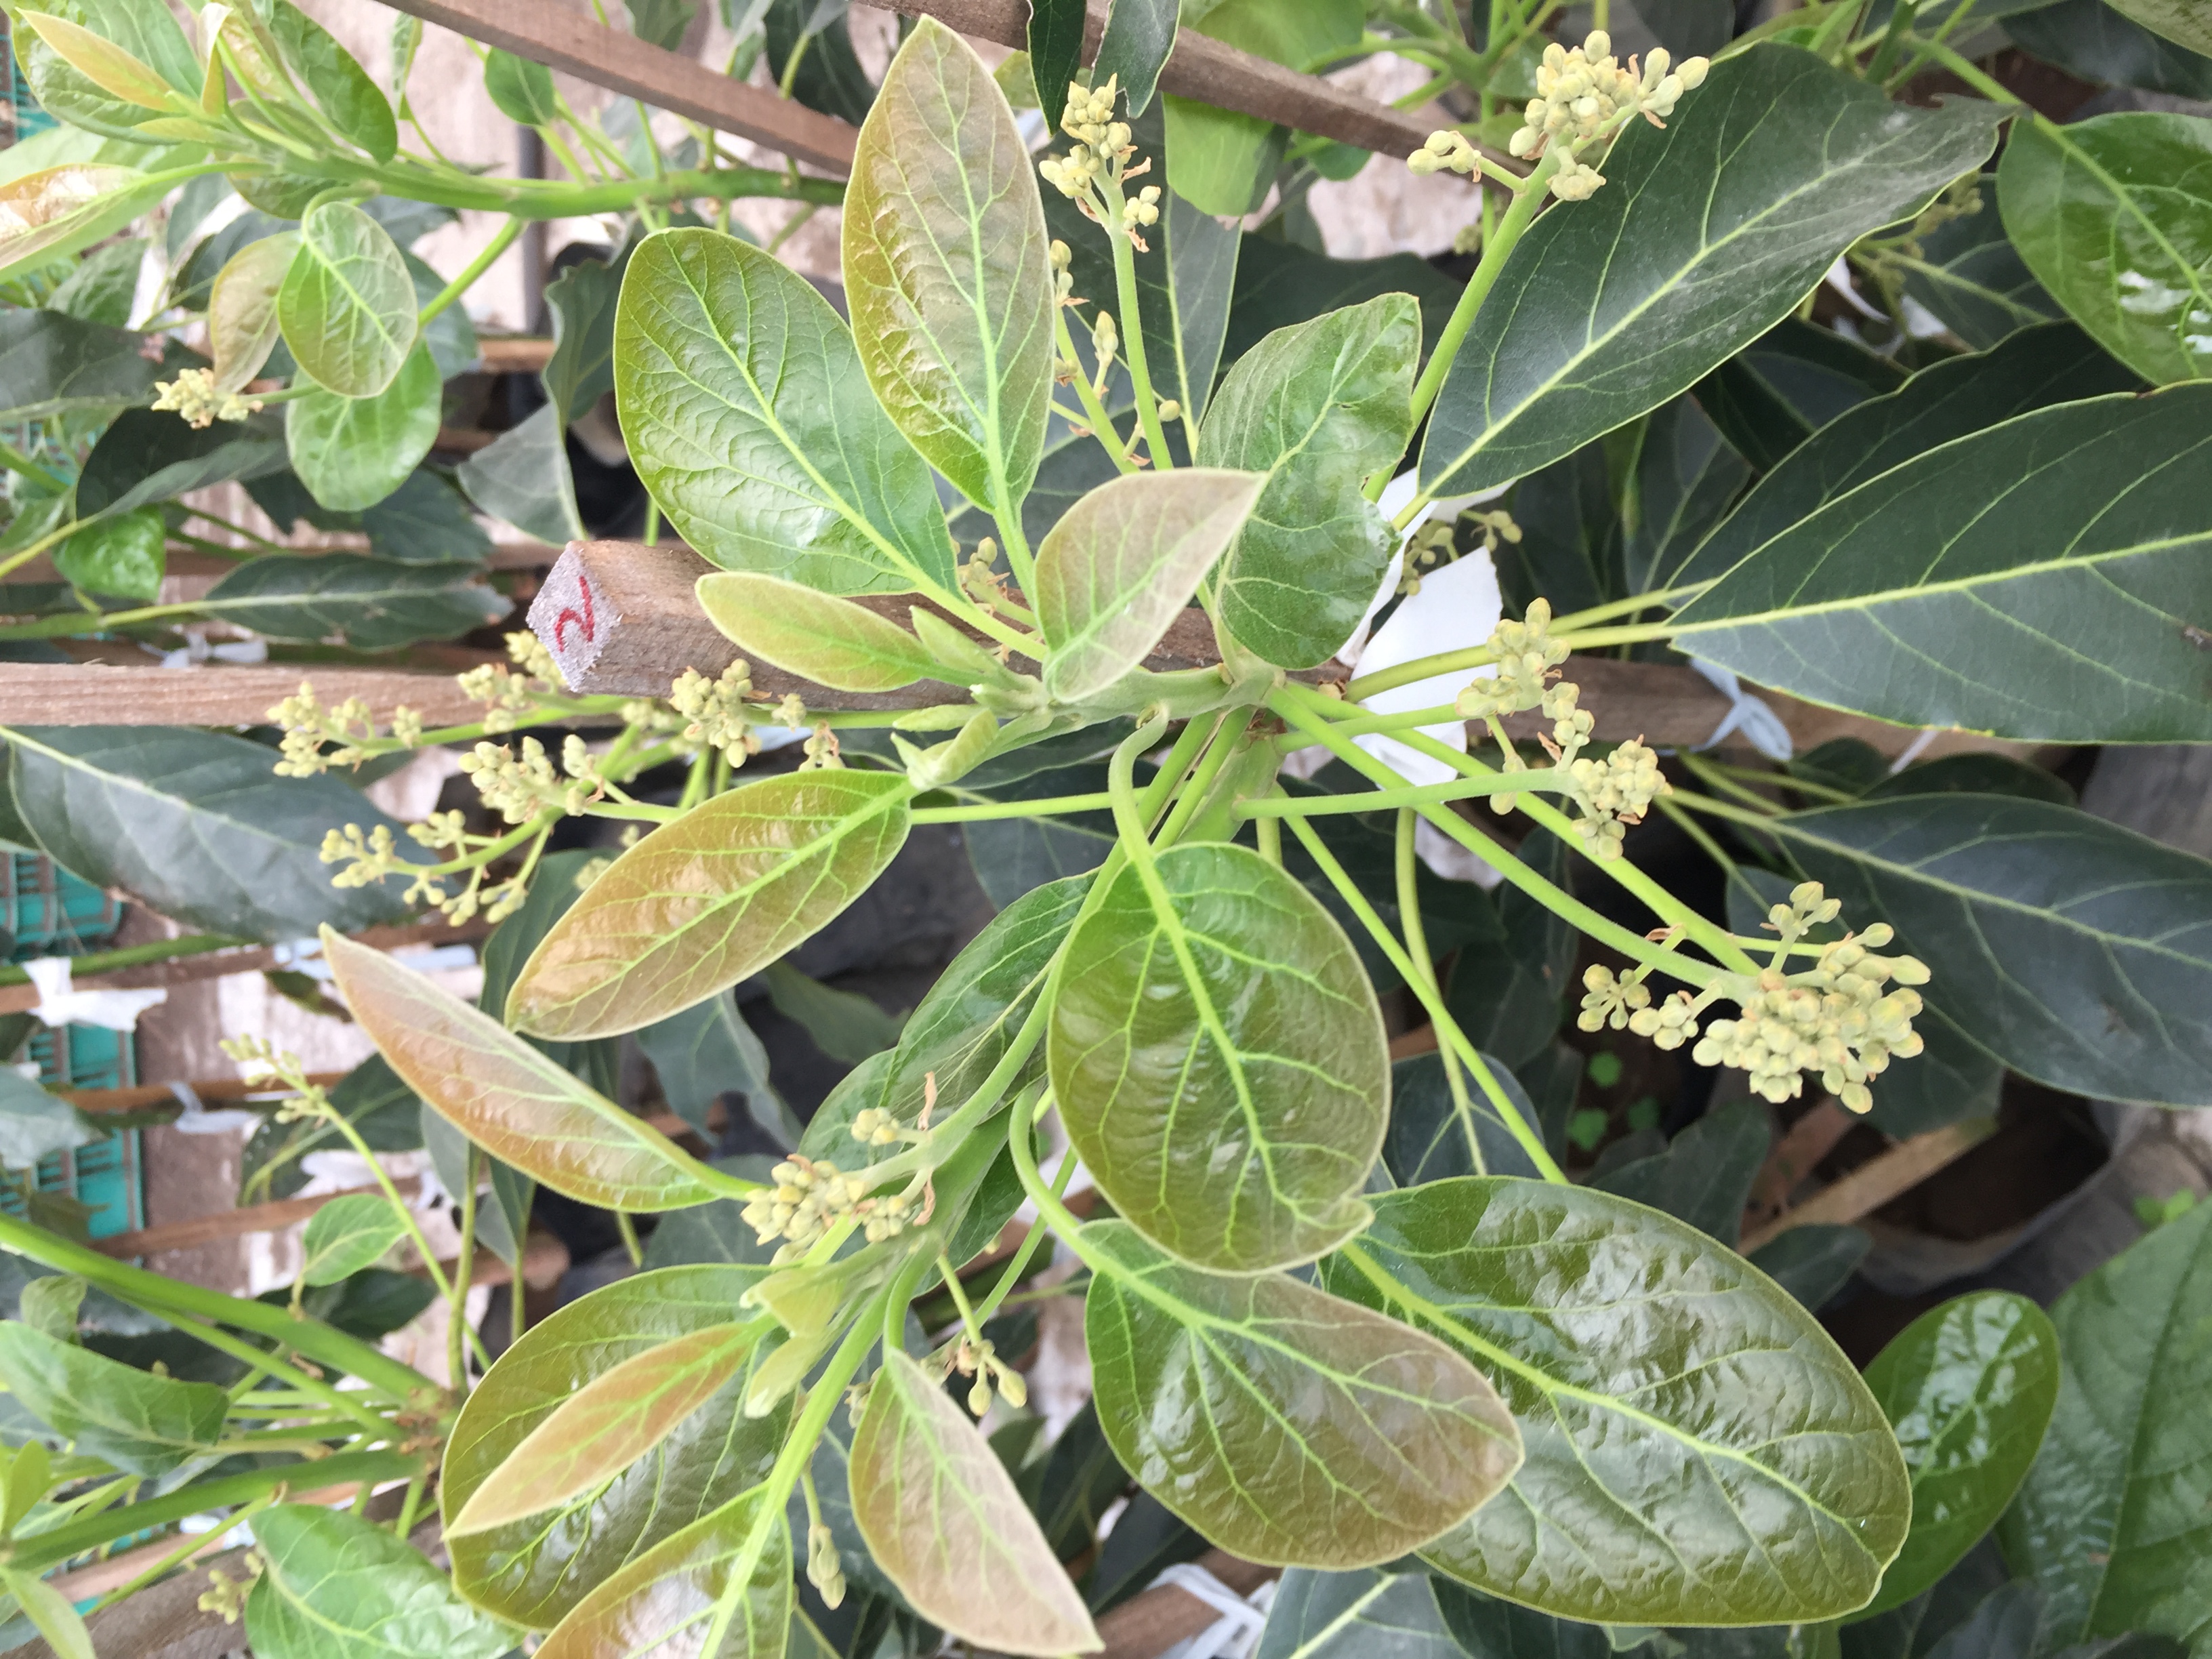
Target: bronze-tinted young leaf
x,y
612,1421
946,270
720,1589
48,216
1969,1388
1699,1451
1316,407
1124,561
2111,1523
739,392
829,641
241,309
941,1516
1287,1425
347,305
136,1420
1220,1062
704,901
508,1098
532,1572
101,61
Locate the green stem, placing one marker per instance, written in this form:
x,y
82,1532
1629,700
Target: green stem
x,y
1706,773
184,1552
1965,70
133,955
1417,948
39,1551
1698,833
16,461
1025,1252
1721,809
1426,794
1482,656
474,269
457,1312
1054,806
1132,326
1228,731
1666,597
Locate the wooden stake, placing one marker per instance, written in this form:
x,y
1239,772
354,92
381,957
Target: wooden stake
x,y
1870,1186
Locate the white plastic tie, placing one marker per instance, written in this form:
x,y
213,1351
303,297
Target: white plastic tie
x,y
1234,1633
299,956
61,1004
197,1120
1761,726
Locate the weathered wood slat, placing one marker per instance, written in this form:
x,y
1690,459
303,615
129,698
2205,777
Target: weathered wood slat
x,y
213,694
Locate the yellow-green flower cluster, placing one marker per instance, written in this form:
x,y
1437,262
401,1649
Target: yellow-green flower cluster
x,y
1088,120
1837,1021
518,788
715,710
1529,659
192,394
1582,93
307,726
508,694
804,1200
1446,149
978,1359
1614,792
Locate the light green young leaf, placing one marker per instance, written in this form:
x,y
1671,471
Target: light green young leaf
x,y
196,825
339,86
2032,369
946,272
508,1098
2078,953
53,1612
351,453
608,1424
709,899
1316,407
1713,1460
2114,217
124,555
1626,300
1220,1063
818,636
101,61
346,1235
721,1586
1122,564
843,1024
521,91
347,305
46,217
336,1586
136,1420
241,309
1969,1388
375,604
2110,1522
523,477
942,1517
148,34
103,287
50,1305
532,1574
737,385
2040,579
1287,1425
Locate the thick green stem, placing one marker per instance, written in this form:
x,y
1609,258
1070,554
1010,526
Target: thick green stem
x,y
1055,807
474,269
1425,794
1132,326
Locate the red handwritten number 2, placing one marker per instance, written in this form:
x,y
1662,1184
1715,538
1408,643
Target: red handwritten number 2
x,y
583,618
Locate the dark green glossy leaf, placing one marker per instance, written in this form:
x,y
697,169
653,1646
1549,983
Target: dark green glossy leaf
x,y
148,457
1568,525
843,1024
1705,1175
2114,215
735,381
1685,478
532,1573
1139,34
1147,1537
2097,42
661,21
713,1233
941,1516
831,77
1286,1425
1969,1388
1219,1060
1430,1139
508,1098
1123,563
2034,368
347,1234
1014,856
1055,40
1316,408
1812,1261
521,91
103,287
1278,285
339,1587
1070,470
1713,1459
945,269
1224,161
1975,774
710,899
351,453
2179,21
1788,384
347,306
51,364
2039,579
145,1424
1487,1628
1183,290
339,86
376,605
503,1201
383,1110
123,557
523,477
817,636
721,1586
1507,989
1970,278
583,300
1606,311
2111,1522
1356,1615
195,824
2078,953
707,1051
